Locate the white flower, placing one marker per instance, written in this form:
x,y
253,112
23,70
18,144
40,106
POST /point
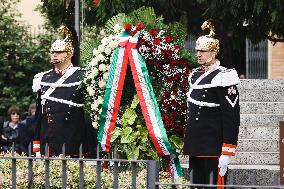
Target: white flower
x,y
107,50
95,52
94,62
105,76
102,83
103,33
91,91
117,28
101,48
102,67
94,106
95,124
94,73
113,44
105,40
100,100
101,57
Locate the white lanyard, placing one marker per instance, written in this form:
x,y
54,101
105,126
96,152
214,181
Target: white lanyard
x,y
57,83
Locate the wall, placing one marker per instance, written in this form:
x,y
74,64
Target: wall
x,y
29,15
276,60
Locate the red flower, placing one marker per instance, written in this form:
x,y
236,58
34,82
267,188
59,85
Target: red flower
x,y
175,90
177,48
132,33
172,66
153,32
166,94
184,83
164,117
127,27
169,52
142,41
96,2
169,79
169,123
177,77
140,26
173,115
157,41
186,73
168,38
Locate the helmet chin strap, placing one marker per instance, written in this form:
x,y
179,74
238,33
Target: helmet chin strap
x,y
207,62
60,61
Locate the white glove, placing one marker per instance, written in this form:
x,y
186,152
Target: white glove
x,y
224,161
38,154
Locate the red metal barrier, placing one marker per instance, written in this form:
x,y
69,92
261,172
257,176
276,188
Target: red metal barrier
x,y
281,151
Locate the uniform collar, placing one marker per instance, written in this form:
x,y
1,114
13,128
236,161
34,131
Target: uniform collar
x,y
63,71
211,67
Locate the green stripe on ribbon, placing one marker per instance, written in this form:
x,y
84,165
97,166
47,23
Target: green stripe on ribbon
x,y
105,105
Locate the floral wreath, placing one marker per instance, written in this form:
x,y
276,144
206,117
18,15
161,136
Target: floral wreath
x,y
168,69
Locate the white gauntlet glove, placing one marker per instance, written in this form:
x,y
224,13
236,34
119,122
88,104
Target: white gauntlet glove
x,y
38,154
224,161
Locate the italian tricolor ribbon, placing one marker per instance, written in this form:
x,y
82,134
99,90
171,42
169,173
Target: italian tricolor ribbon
x,y
127,52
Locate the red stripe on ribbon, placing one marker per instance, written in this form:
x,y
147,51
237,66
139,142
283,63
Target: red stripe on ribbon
x,y
143,105
117,99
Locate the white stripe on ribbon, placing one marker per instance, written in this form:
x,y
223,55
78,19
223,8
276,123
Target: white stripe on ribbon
x,y
112,96
148,101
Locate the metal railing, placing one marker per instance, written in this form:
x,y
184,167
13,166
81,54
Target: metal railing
x,y
256,60
152,172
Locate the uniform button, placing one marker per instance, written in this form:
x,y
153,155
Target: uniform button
x,y
66,118
50,120
68,112
196,119
199,107
198,113
48,108
203,95
69,106
205,90
73,94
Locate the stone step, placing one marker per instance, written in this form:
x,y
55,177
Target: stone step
x,y
267,120
266,84
263,95
248,158
256,158
259,175
258,145
259,132
261,107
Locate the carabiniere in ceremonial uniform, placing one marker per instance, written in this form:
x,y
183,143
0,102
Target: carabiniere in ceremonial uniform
x,y
213,114
60,114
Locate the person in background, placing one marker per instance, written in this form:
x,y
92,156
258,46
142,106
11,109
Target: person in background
x,y
27,130
213,113
10,132
242,76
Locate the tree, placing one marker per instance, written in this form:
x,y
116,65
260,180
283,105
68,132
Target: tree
x,y
256,19
22,56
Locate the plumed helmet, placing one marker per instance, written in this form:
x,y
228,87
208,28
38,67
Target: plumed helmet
x,y
208,42
69,43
